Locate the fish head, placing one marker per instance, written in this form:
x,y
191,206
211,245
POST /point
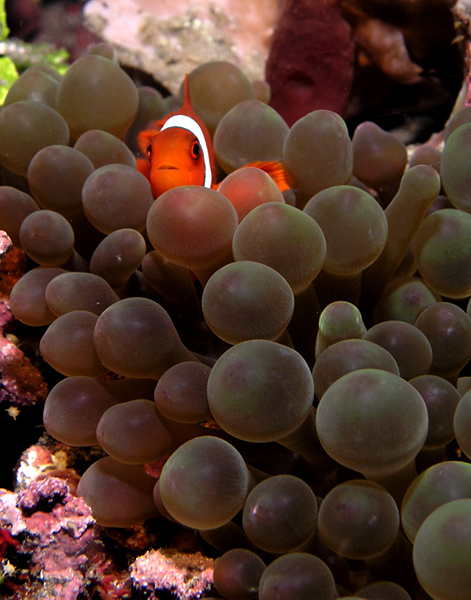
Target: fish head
x,y
176,158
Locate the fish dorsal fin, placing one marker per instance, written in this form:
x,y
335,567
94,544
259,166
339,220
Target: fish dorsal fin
x,y
186,94
186,118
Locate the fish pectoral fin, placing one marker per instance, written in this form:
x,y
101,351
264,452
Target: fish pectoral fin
x,y
144,137
276,170
143,166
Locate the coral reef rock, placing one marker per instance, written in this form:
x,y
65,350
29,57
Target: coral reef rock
x,y
185,575
57,530
171,37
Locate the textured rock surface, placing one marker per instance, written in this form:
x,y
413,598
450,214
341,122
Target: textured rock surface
x,y
187,576
393,63
171,37
57,530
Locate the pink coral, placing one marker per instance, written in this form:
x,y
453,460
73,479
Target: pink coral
x,y
59,534
187,576
21,382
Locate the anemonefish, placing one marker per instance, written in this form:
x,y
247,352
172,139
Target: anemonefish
x,y
177,150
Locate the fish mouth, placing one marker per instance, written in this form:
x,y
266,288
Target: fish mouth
x,y
167,168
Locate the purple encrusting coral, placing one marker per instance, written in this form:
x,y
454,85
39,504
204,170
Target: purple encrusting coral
x,y
56,530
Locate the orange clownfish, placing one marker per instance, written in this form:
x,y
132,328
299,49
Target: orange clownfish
x,y
178,151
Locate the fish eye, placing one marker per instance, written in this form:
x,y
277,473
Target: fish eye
x,y
149,151
195,150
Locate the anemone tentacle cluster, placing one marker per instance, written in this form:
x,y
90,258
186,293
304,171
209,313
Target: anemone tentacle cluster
x,y
295,362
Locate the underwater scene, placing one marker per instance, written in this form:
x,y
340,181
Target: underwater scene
x,y
235,299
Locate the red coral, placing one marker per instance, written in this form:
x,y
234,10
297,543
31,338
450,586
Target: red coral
x,y
22,383
6,540
12,264
310,65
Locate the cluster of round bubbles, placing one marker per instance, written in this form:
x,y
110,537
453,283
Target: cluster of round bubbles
x,y
283,371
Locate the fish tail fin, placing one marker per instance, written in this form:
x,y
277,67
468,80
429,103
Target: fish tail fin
x,y
277,172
